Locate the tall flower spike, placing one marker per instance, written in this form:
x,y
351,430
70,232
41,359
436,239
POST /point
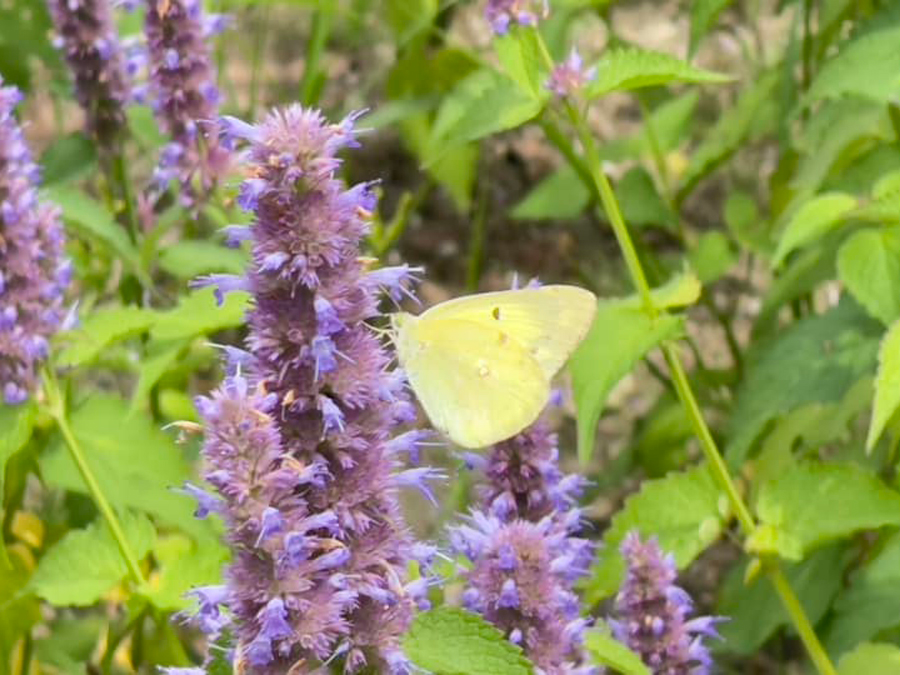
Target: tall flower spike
x,y
300,439
501,14
184,96
651,613
524,551
87,37
33,272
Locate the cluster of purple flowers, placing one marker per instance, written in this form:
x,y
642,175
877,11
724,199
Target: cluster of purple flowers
x,y
87,37
570,76
184,95
501,14
33,271
524,552
651,613
300,443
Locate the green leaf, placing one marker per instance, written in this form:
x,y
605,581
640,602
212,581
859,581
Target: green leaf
x,y
184,564
136,465
409,17
671,122
817,359
198,314
627,69
870,602
607,651
704,14
754,610
872,659
191,258
887,385
883,209
640,201
712,257
811,504
482,104
561,195
728,132
867,66
101,329
450,641
90,217
869,266
16,425
152,368
619,337
683,509
520,55
82,566
68,159
816,217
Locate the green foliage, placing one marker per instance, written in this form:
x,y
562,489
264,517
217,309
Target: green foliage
x,y
450,641
753,608
190,259
607,651
626,69
135,463
101,330
869,265
562,194
85,564
91,219
619,337
791,505
887,385
684,510
812,220
870,603
703,16
871,658
866,66
815,360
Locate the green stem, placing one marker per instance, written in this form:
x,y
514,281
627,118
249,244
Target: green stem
x,y
121,177
613,213
602,187
801,622
707,443
57,409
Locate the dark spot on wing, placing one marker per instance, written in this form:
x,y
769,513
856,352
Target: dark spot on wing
x,y
496,313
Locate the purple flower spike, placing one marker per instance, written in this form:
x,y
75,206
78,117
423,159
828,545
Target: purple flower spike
x,y
524,552
302,444
87,36
569,77
185,97
33,273
651,613
501,14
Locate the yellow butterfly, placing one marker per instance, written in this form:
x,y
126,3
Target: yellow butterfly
x,y
481,365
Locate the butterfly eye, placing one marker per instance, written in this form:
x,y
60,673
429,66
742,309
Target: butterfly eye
x,y
496,313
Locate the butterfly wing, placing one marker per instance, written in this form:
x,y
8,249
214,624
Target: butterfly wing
x,y
476,385
547,322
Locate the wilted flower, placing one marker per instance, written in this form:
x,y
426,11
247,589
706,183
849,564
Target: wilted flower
x,y
524,551
33,272
570,76
87,36
300,443
501,13
184,95
651,613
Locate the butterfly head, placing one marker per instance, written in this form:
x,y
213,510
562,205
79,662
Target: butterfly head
x,y
401,322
